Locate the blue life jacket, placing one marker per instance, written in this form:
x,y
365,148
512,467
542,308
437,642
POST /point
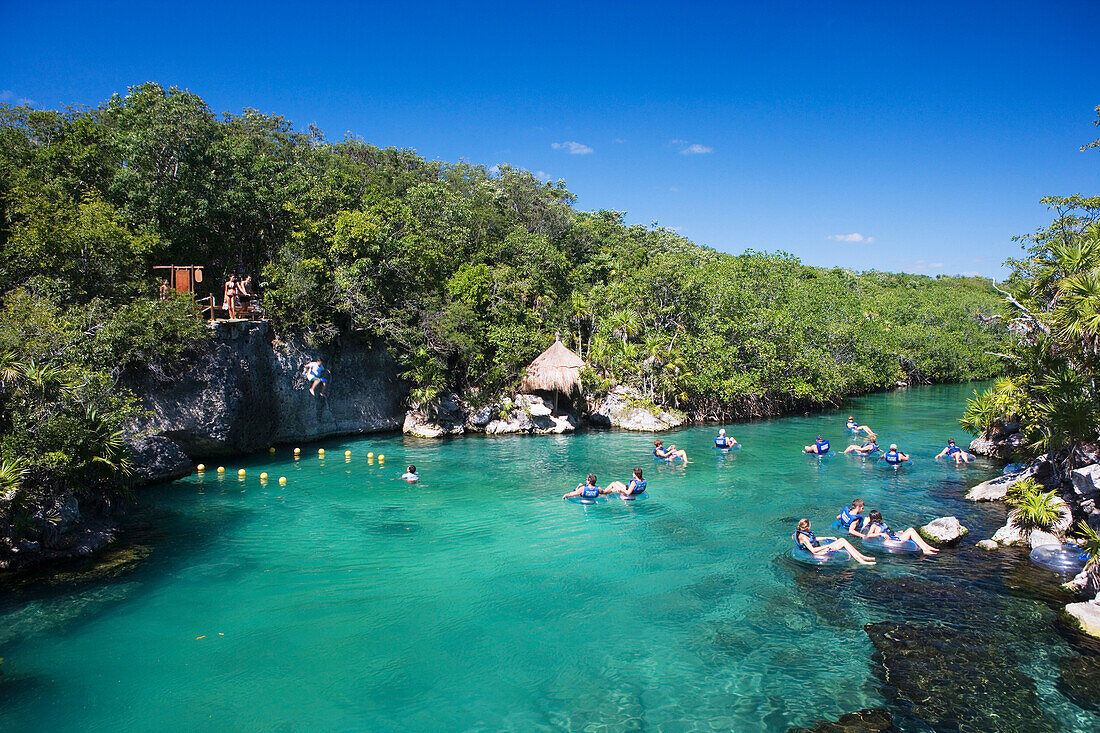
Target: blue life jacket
x,y
953,449
874,448
589,492
884,528
638,486
721,443
822,446
847,518
798,545
892,456
852,425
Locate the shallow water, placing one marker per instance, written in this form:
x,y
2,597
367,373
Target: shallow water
x,y
479,600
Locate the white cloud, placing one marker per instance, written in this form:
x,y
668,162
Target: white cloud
x,y
618,141
7,96
936,265
696,149
853,237
677,141
574,148
542,175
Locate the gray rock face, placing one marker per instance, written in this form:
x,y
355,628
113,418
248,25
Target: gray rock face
x,y
530,414
158,458
1086,482
624,408
243,391
997,488
998,447
1039,538
943,531
1086,582
988,545
443,417
1010,534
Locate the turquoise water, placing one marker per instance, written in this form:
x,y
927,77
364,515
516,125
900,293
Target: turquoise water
x,y
479,600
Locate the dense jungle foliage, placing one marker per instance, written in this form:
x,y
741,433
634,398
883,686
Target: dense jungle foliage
x,y
1053,355
465,273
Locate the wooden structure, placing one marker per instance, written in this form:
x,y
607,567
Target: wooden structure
x,y
556,370
183,278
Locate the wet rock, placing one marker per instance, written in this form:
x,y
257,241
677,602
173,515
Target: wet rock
x,y
868,720
1079,680
988,545
998,447
1086,582
1085,617
943,531
997,488
954,680
157,458
625,408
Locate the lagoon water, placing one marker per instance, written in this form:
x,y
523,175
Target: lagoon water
x,y
479,600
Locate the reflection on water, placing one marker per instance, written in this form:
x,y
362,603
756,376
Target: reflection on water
x,y
478,600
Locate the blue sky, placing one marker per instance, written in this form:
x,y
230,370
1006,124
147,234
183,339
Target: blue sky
x,y
895,136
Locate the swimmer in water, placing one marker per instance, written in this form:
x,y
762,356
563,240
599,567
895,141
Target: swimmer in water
x,y
587,490
866,449
954,451
856,427
851,517
804,539
893,456
629,490
670,453
723,441
411,475
820,447
873,526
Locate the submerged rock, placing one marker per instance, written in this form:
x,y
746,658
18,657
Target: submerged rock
x,y
943,531
1079,680
868,720
954,680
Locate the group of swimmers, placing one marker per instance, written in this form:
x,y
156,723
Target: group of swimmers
x,y
866,527
893,456
591,490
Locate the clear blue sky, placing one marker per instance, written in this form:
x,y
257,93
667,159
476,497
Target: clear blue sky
x,y
929,129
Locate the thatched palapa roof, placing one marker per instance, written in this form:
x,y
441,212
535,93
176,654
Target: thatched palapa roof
x,y
555,370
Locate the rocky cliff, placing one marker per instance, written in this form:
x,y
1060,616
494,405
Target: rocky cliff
x,y
243,391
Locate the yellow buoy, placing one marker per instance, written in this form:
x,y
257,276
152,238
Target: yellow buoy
x,y
221,469
320,451
240,472
271,449
202,466
263,476
347,453
297,451
381,458
282,479
370,455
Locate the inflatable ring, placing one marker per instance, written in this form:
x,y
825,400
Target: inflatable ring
x,y
838,557
1013,468
1062,559
838,526
735,446
584,500
634,497
879,544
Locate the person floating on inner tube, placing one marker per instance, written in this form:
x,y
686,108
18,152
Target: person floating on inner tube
x,y
954,451
856,427
893,456
852,517
723,441
867,448
629,490
820,447
804,539
873,526
587,490
670,453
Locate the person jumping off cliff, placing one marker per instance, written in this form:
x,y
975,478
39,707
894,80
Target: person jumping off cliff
x,y
313,371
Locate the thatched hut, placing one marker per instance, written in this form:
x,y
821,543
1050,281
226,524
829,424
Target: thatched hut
x,y
556,370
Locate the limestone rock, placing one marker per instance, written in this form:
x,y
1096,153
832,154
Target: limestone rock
x,y
1086,481
943,531
988,545
1040,538
997,488
1010,535
998,447
157,458
1085,616
444,416
1086,582
624,408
